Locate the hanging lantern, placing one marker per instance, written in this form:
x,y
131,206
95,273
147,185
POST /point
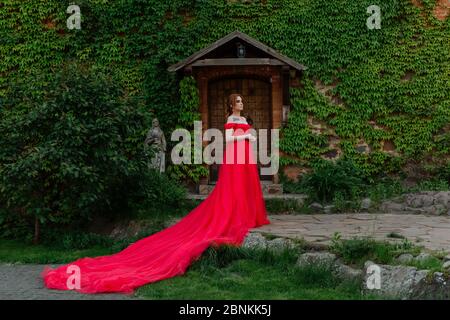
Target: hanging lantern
x,y
240,50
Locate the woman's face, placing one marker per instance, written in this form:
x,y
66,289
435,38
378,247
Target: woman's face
x,y
239,105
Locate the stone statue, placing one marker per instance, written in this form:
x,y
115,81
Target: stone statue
x,y
156,140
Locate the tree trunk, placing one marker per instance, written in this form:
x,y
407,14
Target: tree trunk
x,y
36,231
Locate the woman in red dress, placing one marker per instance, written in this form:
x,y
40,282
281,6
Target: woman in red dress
x,y
234,206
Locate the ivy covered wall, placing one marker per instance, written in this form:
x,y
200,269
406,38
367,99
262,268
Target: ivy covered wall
x,y
385,88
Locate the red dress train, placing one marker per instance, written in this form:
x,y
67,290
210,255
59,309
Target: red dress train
x,y
234,206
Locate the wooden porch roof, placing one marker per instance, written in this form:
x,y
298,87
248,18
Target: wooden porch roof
x,y
193,59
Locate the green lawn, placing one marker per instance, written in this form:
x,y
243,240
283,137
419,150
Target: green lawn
x,y
235,273
12,251
223,273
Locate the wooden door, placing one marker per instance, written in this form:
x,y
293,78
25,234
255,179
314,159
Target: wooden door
x,y
257,103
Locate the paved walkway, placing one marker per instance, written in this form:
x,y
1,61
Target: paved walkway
x,y
432,232
23,282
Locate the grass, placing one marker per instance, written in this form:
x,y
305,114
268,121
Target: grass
x,y
240,273
57,247
12,251
221,273
67,246
432,264
357,251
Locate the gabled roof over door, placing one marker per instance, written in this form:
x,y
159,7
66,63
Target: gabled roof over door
x,y
218,53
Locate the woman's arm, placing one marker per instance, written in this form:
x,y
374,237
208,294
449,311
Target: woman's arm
x,y
229,136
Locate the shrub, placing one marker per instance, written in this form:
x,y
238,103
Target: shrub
x,y
444,173
74,240
71,149
328,178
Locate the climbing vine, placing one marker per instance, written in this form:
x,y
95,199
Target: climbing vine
x,y
188,113
391,83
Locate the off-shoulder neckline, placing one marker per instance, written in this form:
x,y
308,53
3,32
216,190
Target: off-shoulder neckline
x,y
243,119
236,124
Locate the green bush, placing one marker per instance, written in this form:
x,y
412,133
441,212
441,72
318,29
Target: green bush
x,y
74,240
71,149
444,173
329,179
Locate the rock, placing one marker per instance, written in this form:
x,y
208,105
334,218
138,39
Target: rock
x,y
439,278
389,206
404,282
348,273
422,257
420,199
428,199
436,209
316,207
442,197
366,203
280,244
414,210
255,240
425,202
405,258
272,189
414,202
446,265
447,258
316,258
328,209
338,268
392,281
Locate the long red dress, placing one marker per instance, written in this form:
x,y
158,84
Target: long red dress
x,y
234,206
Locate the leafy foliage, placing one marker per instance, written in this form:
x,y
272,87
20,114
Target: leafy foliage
x,y
189,105
73,151
139,39
397,77
330,178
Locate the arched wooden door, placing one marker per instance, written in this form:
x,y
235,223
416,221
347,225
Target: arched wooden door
x,y
257,103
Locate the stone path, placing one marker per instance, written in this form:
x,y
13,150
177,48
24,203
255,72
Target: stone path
x,y
432,232
23,282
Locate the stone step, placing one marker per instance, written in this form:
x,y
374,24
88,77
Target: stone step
x,y
297,197
267,187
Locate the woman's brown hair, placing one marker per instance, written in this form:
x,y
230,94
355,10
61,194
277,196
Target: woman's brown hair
x,y
231,102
